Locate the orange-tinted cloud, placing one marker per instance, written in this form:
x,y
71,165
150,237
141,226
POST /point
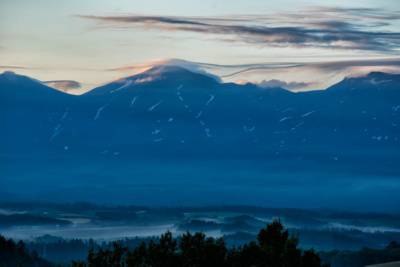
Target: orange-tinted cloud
x,y
64,85
318,27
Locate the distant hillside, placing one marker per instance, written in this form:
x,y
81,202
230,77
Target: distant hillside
x,y
364,257
390,264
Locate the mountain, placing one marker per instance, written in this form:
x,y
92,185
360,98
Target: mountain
x,y
373,82
27,107
165,76
169,106
15,89
168,113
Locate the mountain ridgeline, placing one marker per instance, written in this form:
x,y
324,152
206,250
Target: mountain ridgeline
x,y
172,111
169,130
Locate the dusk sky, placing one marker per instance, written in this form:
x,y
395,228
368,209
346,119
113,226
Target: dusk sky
x,y
78,45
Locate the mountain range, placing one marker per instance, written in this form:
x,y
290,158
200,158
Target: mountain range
x,y
171,112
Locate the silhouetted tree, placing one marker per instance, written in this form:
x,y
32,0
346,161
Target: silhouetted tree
x,y
12,254
138,256
311,259
163,252
197,250
78,264
274,248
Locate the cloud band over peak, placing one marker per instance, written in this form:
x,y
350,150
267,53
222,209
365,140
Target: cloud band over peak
x,y
320,27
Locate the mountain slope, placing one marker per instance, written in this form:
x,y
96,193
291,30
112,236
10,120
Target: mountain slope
x,y
159,76
169,106
177,131
27,111
14,88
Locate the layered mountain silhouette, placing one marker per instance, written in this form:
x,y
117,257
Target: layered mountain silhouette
x,y
168,128
171,110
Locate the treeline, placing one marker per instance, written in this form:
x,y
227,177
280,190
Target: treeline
x,y
363,257
63,251
274,247
15,254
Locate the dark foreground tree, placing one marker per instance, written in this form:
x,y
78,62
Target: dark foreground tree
x,y
274,248
14,254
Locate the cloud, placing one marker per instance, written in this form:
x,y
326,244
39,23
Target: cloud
x,y
233,70
357,12
63,85
282,84
189,65
11,67
294,76
337,28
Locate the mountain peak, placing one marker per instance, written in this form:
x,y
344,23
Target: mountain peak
x,y
376,74
12,77
372,81
163,75
13,85
176,64
8,73
165,70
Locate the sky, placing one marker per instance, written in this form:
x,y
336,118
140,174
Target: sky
x,y
77,45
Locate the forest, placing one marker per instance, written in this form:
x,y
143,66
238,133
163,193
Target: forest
x,y
274,246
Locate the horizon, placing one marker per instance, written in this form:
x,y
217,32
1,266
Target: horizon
x,y
311,45
60,85
121,120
